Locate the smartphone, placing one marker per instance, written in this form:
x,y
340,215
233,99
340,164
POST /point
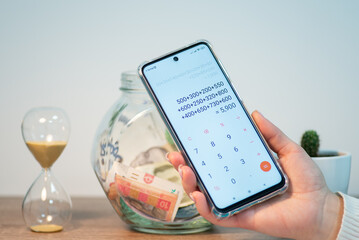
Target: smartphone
x,y
207,119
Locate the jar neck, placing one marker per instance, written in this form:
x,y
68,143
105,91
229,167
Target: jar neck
x,y
131,83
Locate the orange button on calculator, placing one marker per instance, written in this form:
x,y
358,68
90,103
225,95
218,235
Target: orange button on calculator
x,y
265,166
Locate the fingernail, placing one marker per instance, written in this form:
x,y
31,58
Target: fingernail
x,y
167,153
259,112
191,197
180,170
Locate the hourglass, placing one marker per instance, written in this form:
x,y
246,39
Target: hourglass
x,y
46,206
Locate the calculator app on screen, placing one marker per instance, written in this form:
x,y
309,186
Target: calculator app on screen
x,y
211,125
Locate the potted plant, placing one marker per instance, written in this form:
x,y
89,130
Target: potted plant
x,y
335,165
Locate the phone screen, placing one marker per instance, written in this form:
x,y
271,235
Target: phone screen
x,y
212,127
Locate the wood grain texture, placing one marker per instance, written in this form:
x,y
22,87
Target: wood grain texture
x,y
94,218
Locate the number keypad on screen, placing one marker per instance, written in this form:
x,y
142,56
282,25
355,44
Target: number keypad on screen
x,y
224,160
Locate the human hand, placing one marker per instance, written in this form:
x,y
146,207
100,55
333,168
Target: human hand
x,y
307,210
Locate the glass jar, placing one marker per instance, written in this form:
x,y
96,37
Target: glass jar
x,y
129,159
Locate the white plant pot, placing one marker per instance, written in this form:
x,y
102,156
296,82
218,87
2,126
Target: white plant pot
x,y
336,169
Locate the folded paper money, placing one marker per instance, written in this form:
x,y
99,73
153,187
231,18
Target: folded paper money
x,y
149,194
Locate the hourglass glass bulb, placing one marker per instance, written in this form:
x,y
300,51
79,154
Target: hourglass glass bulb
x,y
46,206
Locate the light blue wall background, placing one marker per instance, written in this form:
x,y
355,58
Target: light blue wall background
x,y
295,61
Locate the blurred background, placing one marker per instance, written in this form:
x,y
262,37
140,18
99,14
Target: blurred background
x,y
297,62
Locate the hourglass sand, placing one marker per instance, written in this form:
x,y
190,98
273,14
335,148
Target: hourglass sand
x,y
46,206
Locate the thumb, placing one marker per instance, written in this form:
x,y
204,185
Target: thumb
x,y
275,138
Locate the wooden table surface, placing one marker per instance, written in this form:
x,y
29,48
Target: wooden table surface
x,y
94,218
